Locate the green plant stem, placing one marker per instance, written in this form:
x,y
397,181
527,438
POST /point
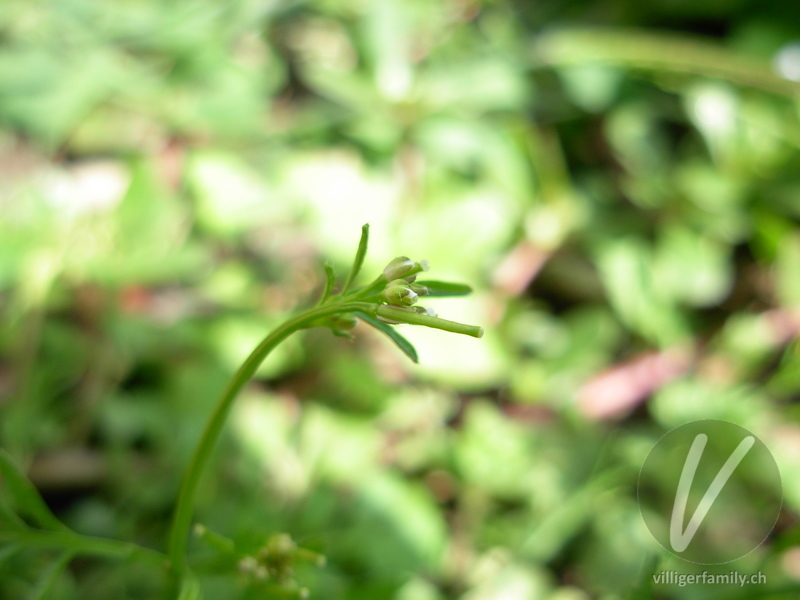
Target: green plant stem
x,y
82,544
414,318
368,290
182,517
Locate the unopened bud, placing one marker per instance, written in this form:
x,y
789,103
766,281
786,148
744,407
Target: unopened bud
x,y
248,564
279,545
398,268
344,322
400,292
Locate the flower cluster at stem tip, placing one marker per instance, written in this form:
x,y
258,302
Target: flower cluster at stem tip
x,y
391,299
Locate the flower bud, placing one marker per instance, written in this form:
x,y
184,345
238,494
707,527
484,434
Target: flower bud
x,y
398,268
400,292
344,321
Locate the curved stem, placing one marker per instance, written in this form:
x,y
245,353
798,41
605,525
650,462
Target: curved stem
x,y
182,518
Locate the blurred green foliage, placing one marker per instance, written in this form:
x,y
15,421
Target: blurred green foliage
x,y
618,181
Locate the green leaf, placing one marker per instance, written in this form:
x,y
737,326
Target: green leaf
x,y
391,332
330,280
25,495
9,518
359,260
442,289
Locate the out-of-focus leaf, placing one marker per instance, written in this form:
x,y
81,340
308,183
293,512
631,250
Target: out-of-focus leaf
x,y
230,196
48,94
495,83
389,46
404,521
7,552
627,270
9,518
336,447
691,268
592,87
488,439
25,496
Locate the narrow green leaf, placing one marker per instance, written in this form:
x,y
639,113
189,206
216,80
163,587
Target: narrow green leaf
x,y
9,518
442,289
359,260
51,575
392,333
25,495
330,280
